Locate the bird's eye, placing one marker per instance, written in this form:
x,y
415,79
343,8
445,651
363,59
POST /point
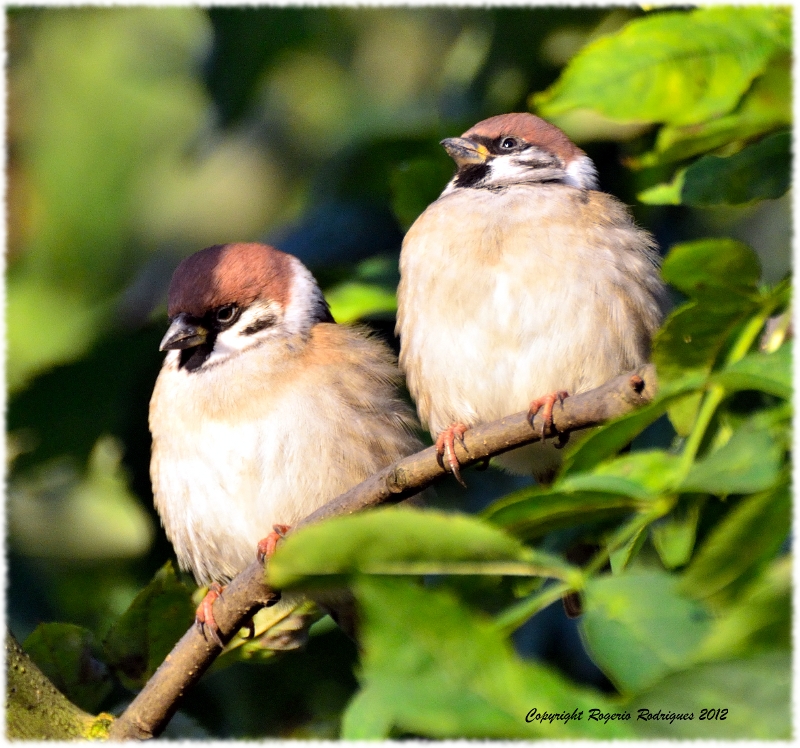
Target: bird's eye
x,y
227,313
508,143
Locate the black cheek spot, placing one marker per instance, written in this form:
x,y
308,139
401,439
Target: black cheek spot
x,y
260,324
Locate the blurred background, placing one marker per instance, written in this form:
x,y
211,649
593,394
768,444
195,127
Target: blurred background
x,y
137,136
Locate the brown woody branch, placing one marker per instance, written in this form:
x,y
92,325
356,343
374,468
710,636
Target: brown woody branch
x,y
150,711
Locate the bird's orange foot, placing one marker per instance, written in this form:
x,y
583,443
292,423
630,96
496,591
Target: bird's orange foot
x,y
266,547
545,404
204,617
445,446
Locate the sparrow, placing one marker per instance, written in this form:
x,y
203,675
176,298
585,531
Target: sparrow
x,y
521,284
264,409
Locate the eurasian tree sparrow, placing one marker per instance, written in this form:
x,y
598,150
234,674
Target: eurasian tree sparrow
x,y
264,409
522,280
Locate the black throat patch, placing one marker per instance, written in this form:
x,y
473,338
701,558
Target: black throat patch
x,y
471,175
192,359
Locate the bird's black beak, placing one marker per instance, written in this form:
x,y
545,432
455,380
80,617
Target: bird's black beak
x,y
183,333
464,151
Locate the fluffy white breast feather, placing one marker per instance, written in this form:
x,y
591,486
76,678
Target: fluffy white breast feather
x,y
508,294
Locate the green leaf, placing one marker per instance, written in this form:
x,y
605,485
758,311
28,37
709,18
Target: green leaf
x,y
675,67
70,657
749,536
433,668
667,193
758,172
145,633
615,488
761,171
713,268
403,541
653,470
683,413
720,276
619,557
764,108
767,372
638,628
369,716
760,618
692,338
352,300
749,462
755,695
531,513
673,536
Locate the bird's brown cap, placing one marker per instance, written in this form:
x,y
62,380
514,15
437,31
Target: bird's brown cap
x,y
530,128
229,274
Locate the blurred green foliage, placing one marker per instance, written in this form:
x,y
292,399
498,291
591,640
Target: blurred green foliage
x,y
139,135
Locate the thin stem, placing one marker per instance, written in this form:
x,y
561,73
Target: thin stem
x,y
748,336
512,618
716,394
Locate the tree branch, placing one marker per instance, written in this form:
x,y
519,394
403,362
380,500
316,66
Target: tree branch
x,y
150,711
37,710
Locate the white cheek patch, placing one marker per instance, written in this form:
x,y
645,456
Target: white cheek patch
x,y
509,169
235,340
229,342
581,172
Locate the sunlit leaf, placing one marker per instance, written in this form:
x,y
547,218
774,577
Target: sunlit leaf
x,y
674,67
749,462
57,511
767,372
402,541
351,301
654,470
764,108
449,673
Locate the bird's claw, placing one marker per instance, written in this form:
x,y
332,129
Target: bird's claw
x,y
445,445
545,404
251,630
266,546
204,616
